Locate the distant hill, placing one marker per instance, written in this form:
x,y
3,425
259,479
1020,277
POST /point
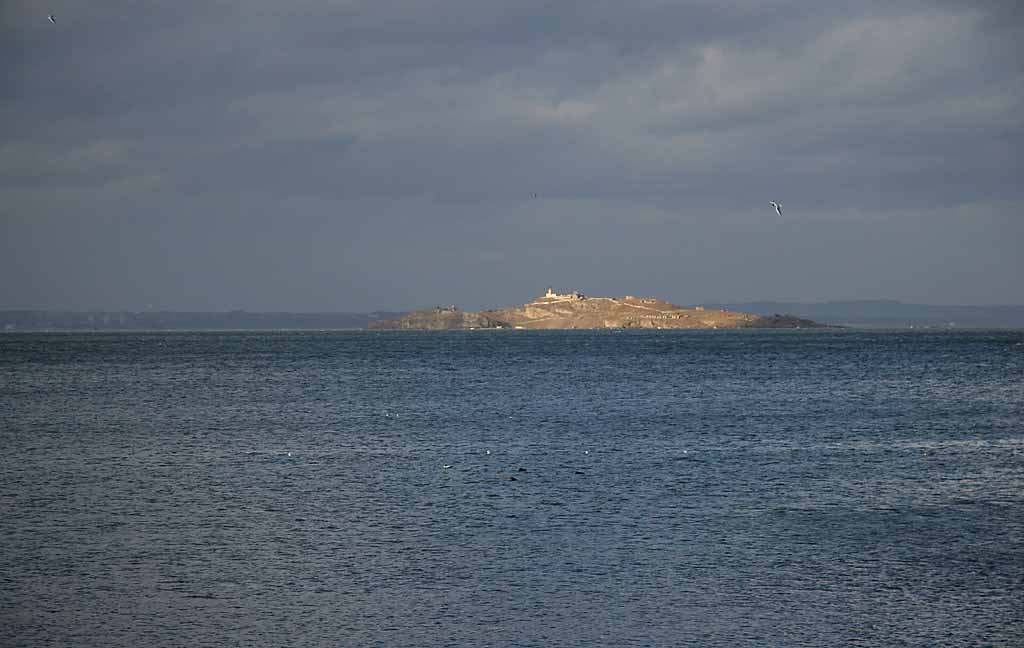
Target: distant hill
x,y
890,314
38,320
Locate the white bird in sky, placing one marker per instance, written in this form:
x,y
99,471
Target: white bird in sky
x,y
778,209
52,19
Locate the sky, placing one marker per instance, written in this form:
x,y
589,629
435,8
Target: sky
x,y
363,155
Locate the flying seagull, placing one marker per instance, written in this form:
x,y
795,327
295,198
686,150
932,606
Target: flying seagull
x,y
52,19
778,210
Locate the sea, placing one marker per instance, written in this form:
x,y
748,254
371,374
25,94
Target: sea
x,y
512,488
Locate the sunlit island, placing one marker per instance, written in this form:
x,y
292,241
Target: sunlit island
x,y
575,310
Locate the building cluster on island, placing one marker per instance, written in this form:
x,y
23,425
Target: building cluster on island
x,y
574,295
574,310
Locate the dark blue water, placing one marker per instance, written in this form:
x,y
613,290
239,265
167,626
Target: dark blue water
x,y
744,488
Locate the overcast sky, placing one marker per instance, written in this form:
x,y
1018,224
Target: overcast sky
x,y
359,155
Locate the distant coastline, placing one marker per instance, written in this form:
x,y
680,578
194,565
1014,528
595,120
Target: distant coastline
x,y
44,320
882,313
859,314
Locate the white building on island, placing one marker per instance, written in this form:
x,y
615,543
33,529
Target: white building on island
x,y
551,294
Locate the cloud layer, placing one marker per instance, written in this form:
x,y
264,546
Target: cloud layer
x,y
365,155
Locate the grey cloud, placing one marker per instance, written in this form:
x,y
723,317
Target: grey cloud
x,y
359,155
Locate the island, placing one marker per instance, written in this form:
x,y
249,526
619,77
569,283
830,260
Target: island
x,y
575,310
